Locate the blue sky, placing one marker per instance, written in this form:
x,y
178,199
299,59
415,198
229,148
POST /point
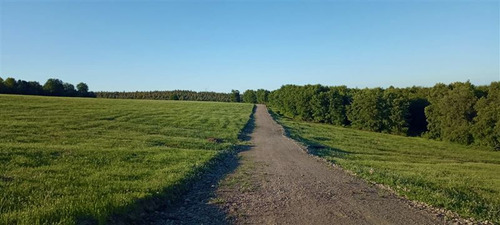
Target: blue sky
x,y
224,45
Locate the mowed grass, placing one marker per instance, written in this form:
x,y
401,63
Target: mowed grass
x,y
459,178
68,160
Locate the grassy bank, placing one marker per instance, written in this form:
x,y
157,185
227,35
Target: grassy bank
x,y
459,178
64,160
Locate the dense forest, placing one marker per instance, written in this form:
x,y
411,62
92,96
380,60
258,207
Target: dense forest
x,y
53,87
459,112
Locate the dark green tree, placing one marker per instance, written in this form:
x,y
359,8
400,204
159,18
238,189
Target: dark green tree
x,y
54,87
174,97
262,96
10,85
368,110
51,87
69,89
450,116
249,96
433,112
303,99
396,114
2,86
338,98
486,128
35,88
320,106
22,87
167,95
235,96
82,88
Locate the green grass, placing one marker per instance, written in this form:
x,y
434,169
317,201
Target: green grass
x,y
68,160
460,178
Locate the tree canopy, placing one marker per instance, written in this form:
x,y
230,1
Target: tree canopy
x,y
459,112
53,87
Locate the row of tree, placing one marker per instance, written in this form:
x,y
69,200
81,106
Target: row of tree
x,y
53,87
458,112
234,96
260,96
56,87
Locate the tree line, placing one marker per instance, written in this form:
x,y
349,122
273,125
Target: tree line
x,y
53,87
459,112
234,96
257,97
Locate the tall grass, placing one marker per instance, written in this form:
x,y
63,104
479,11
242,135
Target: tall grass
x,y
459,178
68,160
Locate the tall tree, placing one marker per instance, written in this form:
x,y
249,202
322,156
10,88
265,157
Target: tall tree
x,y
262,96
35,88
486,128
22,87
10,85
82,88
339,98
397,111
235,96
450,116
367,110
54,87
249,96
320,106
433,112
69,89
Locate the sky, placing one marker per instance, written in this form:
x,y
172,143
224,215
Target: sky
x,y
224,45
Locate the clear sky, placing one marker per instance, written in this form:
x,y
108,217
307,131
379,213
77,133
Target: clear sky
x,y
224,45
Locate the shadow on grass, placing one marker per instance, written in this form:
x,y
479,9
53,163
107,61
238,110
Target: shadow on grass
x,y
191,201
313,146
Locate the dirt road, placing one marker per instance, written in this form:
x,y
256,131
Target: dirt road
x,y
276,182
295,188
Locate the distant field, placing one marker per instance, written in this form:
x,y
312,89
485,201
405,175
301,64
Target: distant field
x,y
460,178
63,160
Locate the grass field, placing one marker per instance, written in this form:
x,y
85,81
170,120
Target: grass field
x,y
460,178
67,160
